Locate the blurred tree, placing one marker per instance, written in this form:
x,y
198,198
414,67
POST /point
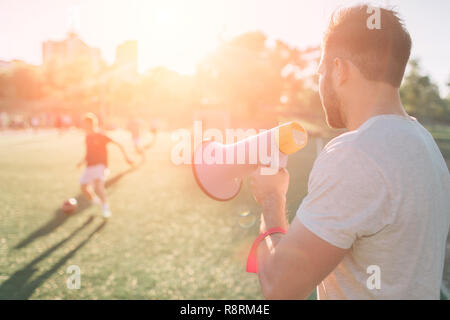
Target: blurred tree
x,y
250,78
448,90
22,82
165,93
421,98
5,85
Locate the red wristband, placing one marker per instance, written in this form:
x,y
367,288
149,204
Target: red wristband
x,y
252,259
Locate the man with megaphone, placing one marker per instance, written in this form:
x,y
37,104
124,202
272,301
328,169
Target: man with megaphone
x,y
376,217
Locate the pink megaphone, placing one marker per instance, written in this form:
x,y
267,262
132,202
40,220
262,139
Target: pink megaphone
x,y
219,169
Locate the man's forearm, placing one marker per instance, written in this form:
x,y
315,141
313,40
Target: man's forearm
x,y
274,215
122,149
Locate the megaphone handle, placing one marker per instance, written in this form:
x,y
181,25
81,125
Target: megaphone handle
x,y
283,160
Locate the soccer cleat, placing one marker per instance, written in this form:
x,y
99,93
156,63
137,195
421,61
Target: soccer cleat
x,y
106,213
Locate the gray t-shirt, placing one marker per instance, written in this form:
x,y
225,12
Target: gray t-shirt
x,y
382,190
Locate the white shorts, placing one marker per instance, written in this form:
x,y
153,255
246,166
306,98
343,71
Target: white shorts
x,y
96,172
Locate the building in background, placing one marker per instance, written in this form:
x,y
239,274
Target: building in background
x,y
6,66
71,50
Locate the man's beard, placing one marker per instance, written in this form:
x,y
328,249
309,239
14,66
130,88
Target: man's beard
x,y
331,105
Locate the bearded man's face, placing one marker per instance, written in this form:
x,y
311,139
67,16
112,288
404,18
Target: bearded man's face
x,y
329,97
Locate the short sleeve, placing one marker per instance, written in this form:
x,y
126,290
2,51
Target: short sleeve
x,y
347,197
106,139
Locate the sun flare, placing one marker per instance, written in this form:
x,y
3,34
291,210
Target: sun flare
x,y
176,37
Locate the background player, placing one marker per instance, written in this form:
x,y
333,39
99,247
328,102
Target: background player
x,y
96,161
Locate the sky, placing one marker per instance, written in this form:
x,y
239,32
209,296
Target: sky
x,y
178,33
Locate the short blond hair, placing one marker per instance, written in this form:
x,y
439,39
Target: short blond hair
x,y
379,54
92,119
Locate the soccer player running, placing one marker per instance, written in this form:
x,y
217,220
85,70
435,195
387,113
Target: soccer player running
x,y
96,161
135,128
376,217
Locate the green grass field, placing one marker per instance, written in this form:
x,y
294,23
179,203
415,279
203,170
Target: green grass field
x,y
166,239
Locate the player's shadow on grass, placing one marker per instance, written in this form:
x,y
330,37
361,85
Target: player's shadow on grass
x,y
19,286
60,217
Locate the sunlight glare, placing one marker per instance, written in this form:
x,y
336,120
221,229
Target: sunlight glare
x,y
177,37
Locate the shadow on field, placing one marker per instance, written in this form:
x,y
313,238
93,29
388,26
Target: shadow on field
x,y
19,286
60,217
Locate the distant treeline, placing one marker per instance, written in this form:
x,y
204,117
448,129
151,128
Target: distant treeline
x,y
244,76
421,97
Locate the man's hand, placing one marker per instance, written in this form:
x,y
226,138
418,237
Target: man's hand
x,y
129,161
122,149
270,192
267,187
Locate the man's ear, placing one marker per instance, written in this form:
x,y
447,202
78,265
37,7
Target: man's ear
x,y
341,68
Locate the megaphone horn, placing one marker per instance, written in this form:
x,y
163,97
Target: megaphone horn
x,y
219,169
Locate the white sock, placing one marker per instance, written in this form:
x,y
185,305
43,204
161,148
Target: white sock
x,y
105,207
